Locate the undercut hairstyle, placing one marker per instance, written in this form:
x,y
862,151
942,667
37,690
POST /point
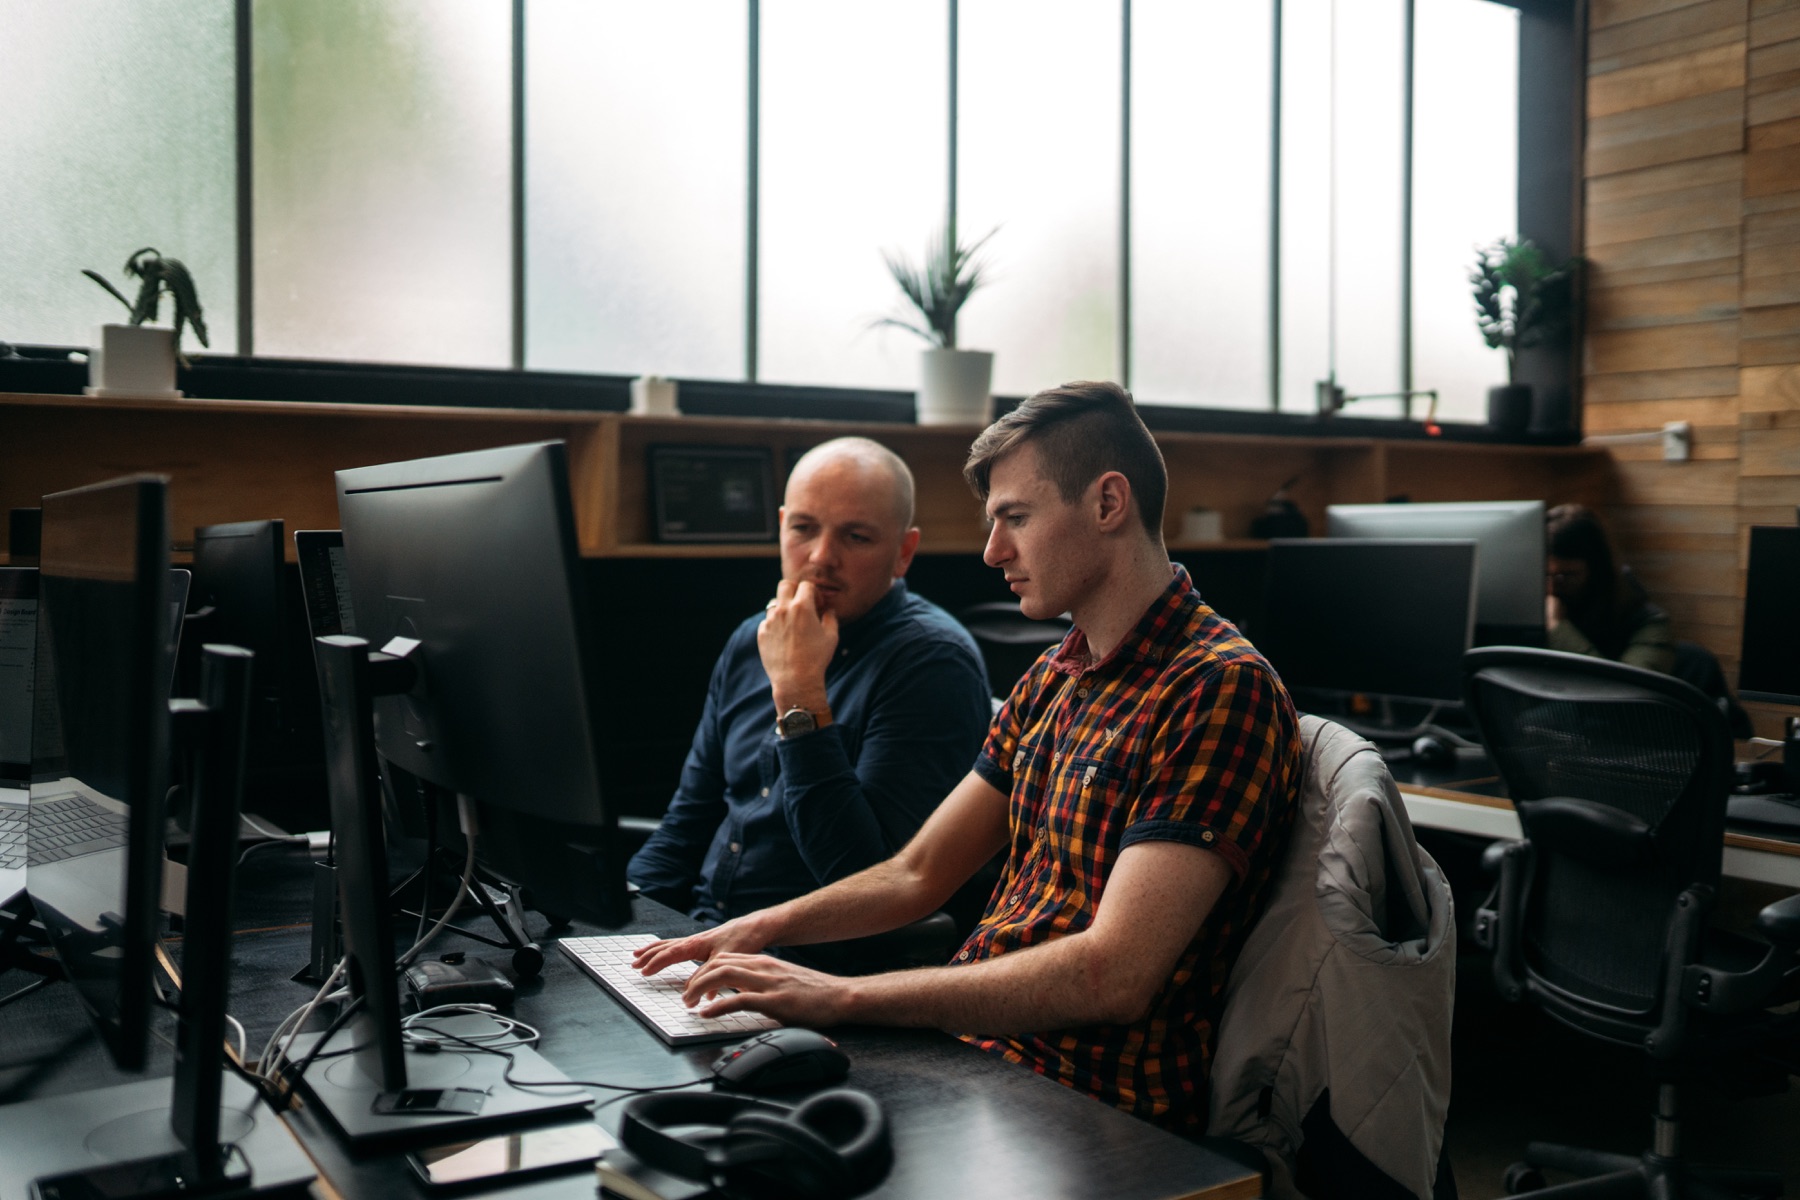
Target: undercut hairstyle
x,y
869,453
1081,431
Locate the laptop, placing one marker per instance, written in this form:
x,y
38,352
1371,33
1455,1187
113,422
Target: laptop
x,y
18,667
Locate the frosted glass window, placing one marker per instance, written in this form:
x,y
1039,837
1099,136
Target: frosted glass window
x,y
1039,159
1342,175
118,135
853,162
1201,107
383,192
1465,189
635,160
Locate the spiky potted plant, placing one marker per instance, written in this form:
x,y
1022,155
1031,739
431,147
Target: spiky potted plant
x,y
1522,299
138,359
954,383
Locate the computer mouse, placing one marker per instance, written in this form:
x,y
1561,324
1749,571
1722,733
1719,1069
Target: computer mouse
x,y
781,1059
1429,750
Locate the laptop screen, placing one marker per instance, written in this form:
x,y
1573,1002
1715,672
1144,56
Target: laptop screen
x,y
18,644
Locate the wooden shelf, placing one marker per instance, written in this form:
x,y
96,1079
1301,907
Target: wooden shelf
x,y
232,460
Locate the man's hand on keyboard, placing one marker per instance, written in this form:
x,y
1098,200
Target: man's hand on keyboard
x,y
731,937
792,994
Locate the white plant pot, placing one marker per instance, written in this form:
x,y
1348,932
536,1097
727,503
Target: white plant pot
x,y
132,360
954,387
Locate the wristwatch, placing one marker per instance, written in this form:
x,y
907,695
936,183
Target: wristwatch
x,y
795,721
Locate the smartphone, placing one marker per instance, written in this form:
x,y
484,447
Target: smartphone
x,y
512,1155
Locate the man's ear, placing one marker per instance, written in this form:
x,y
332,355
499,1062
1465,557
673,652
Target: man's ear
x,y
909,544
1112,495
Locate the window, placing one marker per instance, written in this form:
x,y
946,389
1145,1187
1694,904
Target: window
x,y
119,134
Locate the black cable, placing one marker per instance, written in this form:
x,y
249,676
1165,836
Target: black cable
x,y
506,1074
337,1023
29,988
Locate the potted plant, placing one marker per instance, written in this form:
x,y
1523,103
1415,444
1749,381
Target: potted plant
x,y
954,383
1521,300
137,359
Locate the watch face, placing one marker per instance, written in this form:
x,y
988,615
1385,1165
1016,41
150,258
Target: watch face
x,y
795,720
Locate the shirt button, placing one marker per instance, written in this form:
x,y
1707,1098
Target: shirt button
x,y
737,847
1207,836
962,956
1081,692
765,793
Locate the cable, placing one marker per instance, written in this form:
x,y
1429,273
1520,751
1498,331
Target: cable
x,y
507,1075
462,892
29,988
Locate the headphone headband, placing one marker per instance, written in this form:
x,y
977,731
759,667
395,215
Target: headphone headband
x,y
647,1117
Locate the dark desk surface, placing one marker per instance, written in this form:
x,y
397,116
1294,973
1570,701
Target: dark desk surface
x,y
964,1122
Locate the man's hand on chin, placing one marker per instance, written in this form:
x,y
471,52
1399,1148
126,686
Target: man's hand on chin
x,y
796,642
793,995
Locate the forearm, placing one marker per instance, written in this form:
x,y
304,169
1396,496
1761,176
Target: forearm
x,y
883,897
1054,985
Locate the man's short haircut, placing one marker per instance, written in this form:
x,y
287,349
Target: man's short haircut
x,y
870,453
1081,431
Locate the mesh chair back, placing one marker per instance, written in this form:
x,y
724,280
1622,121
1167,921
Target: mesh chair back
x,y
1620,777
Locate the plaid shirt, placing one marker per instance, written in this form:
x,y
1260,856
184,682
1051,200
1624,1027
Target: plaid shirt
x,y
1183,733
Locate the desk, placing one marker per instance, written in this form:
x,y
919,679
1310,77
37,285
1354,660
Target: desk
x,y
1475,803
964,1123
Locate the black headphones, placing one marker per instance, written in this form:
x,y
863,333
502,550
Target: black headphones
x,y
834,1144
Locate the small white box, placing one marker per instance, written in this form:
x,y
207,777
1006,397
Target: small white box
x,y
652,395
1202,525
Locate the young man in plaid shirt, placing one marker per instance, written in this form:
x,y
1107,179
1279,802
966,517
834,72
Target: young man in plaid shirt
x,y
1141,780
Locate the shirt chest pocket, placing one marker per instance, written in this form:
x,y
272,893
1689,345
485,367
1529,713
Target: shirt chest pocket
x,y
1087,795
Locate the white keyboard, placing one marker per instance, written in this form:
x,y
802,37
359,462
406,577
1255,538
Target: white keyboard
x,y
656,1000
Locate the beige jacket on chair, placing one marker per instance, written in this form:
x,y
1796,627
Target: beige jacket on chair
x,y
1347,981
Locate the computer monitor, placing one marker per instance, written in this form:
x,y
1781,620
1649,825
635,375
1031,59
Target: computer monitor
x,y
1377,617
237,599
1509,605
100,746
18,643
466,581
1769,665
325,582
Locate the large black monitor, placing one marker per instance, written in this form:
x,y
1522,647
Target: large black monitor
x,y
1380,618
1769,667
1509,604
466,583
238,575
99,753
100,746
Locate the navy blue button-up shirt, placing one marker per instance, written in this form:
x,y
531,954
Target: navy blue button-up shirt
x,y
760,819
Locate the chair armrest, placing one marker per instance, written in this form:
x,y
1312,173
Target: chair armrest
x,y
1780,922
1497,920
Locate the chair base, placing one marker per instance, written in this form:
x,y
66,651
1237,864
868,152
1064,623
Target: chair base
x,y
1652,1176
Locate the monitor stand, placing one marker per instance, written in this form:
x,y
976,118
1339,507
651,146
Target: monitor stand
x,y
449,1095
205,1132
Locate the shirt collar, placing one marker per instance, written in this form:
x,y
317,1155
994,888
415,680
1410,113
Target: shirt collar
x,y
869,625
1145,642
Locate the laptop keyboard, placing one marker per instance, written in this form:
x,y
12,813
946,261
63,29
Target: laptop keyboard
x,y
656,1000
12,836
68,826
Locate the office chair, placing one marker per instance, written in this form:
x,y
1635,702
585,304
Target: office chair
x,y
1009,640
1360,920
1619,776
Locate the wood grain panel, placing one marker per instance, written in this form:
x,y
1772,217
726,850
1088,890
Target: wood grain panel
x,y
1766,62
1719,612
1607,190
1778,26
1710,519
1660,34
1769,389
1682,484
1666,133
1662,385
1769,491
1634,276
1689,573
1773,135
1769,171
1714,298
1771,452
1602,13
1633,415
1762,230
1711,344
1681,77
1679,210
1702,246
1774,103
1767,291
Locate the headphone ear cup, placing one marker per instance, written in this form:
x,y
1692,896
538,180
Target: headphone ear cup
x,y
854,1124
765,1155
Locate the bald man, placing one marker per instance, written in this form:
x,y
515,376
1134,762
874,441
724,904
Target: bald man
x,y
837,718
